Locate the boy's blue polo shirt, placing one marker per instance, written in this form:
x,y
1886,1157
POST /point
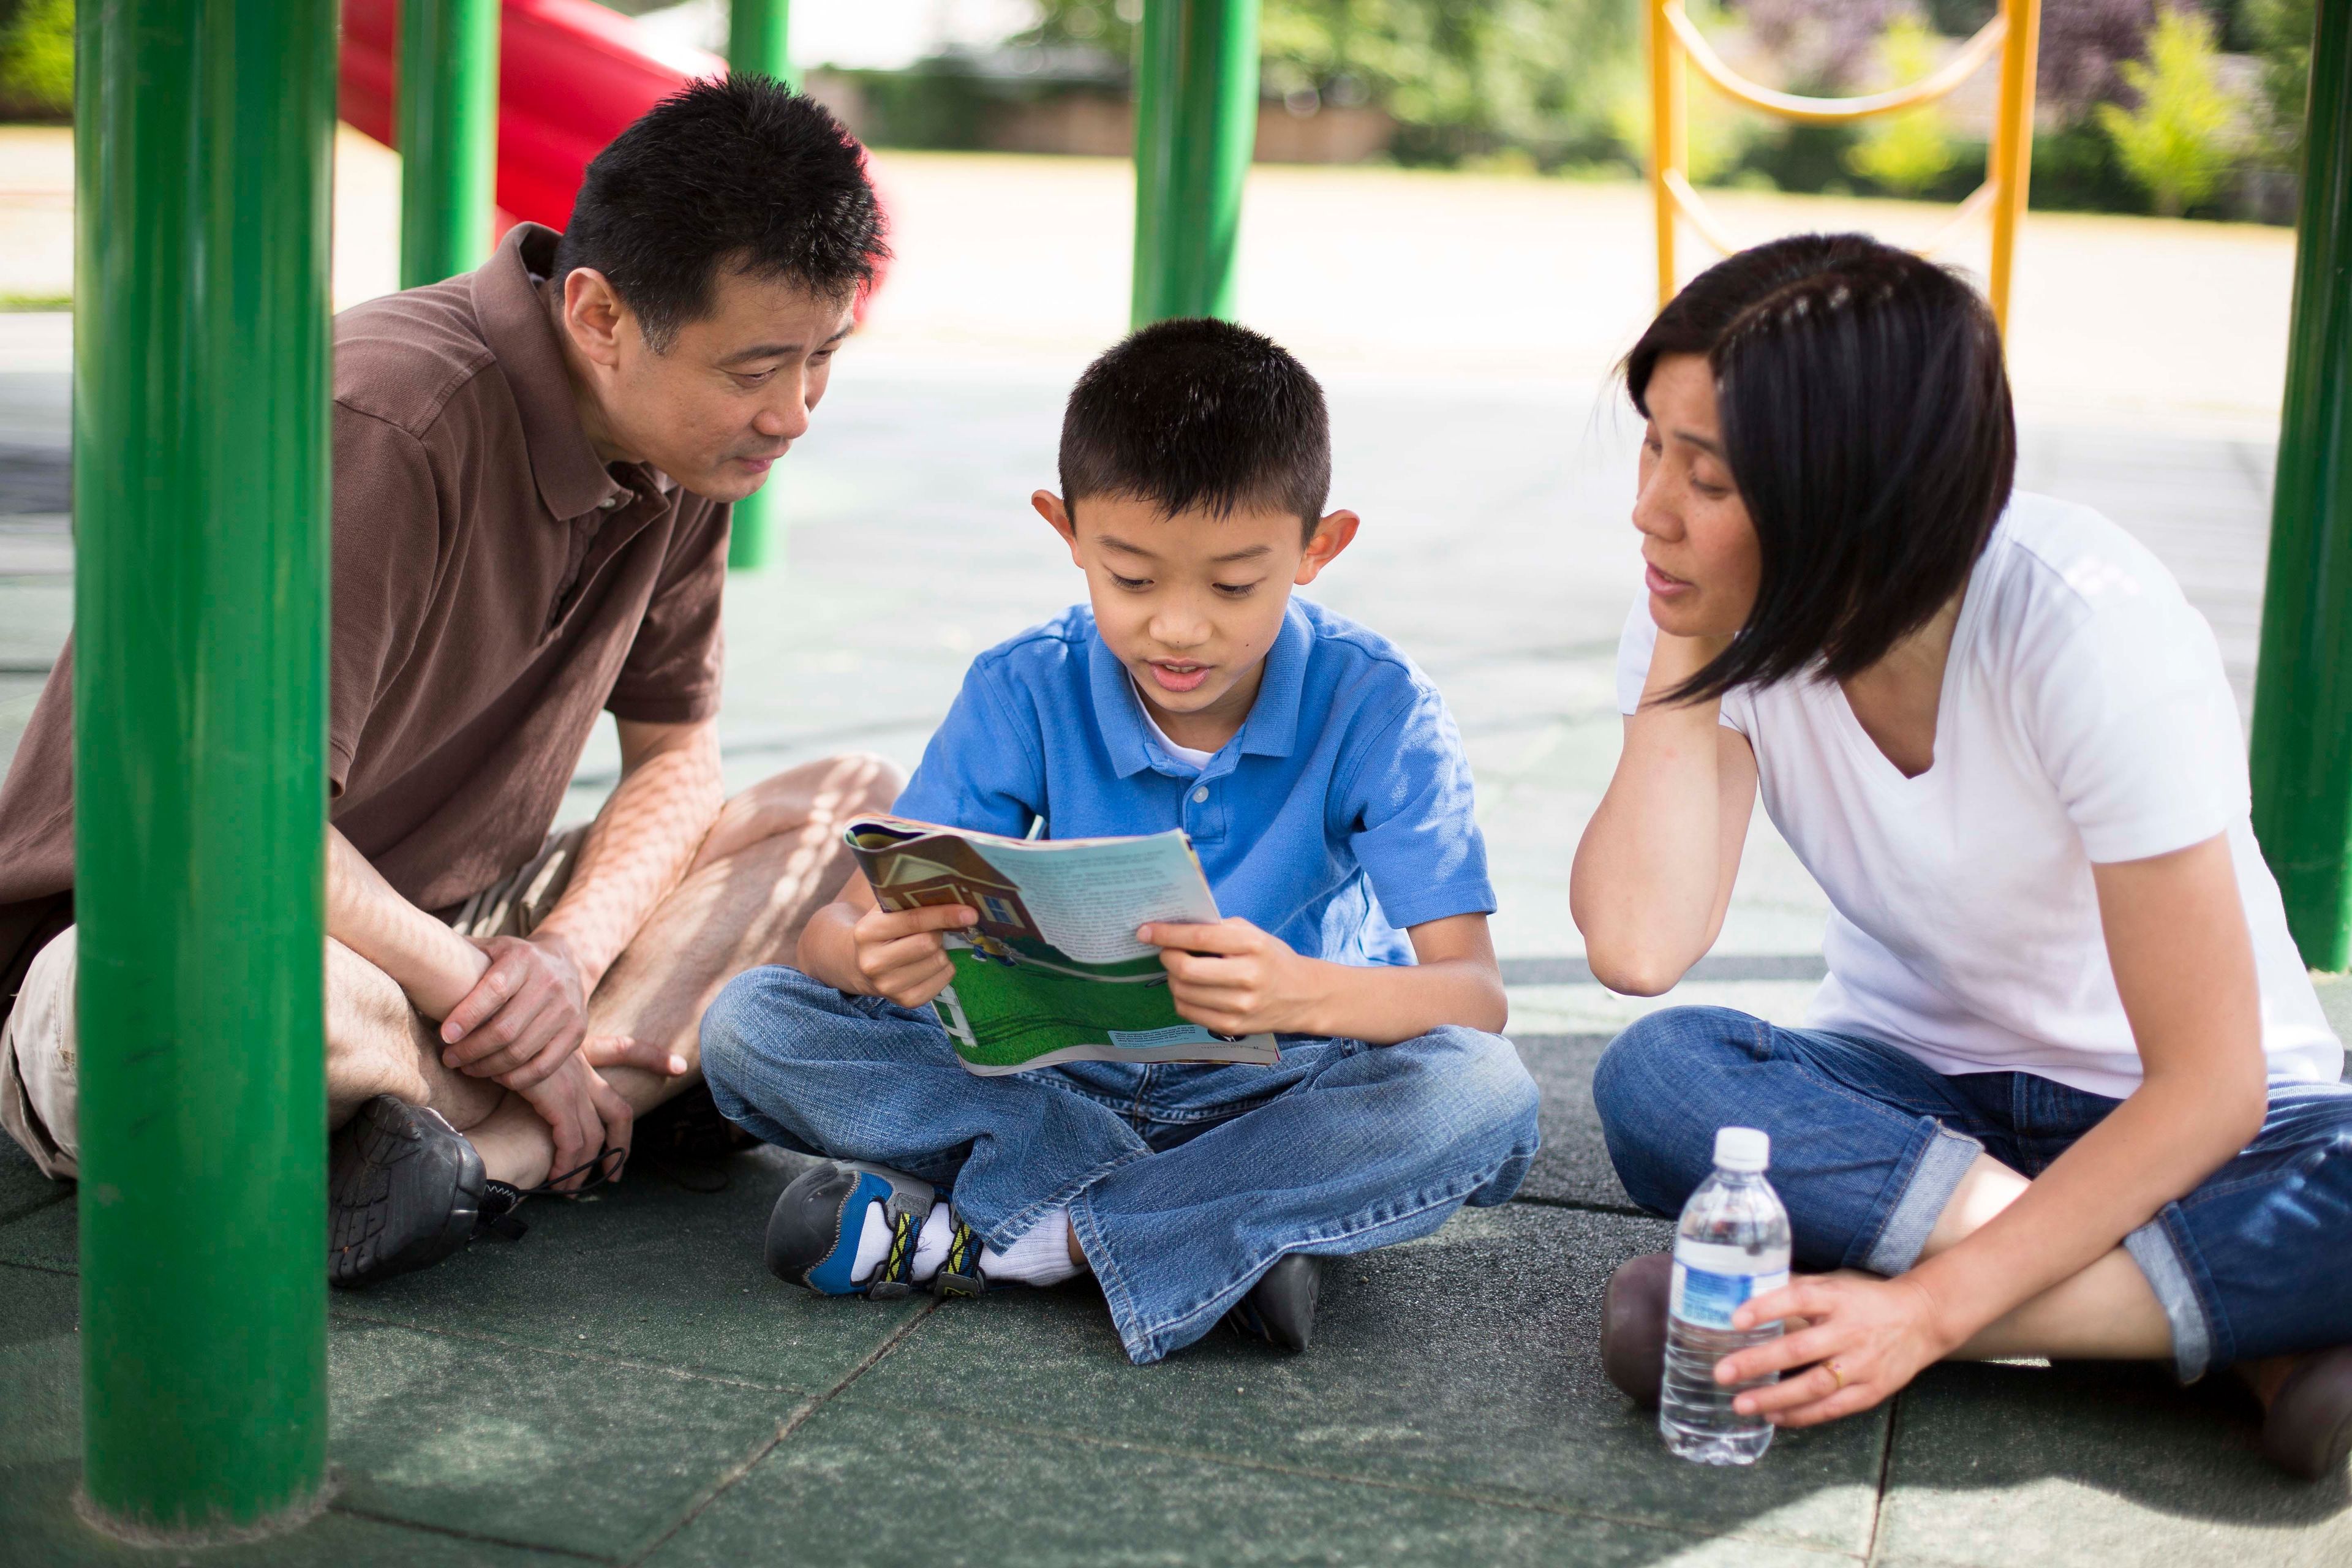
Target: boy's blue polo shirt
x,y
1339,815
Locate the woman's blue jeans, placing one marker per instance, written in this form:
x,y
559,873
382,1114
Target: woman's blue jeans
x,y
1184,1182
1868,1145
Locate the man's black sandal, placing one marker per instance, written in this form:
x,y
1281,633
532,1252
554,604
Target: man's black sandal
x,y
404,1192
1280,1307
495,1214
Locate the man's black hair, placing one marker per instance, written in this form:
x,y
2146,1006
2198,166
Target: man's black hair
x,y
1867,422
740,173
1198,414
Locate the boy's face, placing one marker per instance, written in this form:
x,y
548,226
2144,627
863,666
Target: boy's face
x,y
1192,602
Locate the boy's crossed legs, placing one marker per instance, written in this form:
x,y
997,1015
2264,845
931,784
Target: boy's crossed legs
x,y
1183,1185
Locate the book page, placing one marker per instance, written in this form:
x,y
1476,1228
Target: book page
x,y
1089,901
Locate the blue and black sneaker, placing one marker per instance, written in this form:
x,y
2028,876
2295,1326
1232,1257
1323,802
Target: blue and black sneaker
x,y
814,1236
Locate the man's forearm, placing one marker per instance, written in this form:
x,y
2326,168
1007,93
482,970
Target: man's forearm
x,y
636,853
433,964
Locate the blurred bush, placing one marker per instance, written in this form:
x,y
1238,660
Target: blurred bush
x,y
2178,139
37,60
1905,153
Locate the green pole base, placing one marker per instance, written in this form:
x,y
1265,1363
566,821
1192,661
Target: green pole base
x,y
147,1533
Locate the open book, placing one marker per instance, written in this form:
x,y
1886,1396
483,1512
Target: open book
x,y
1052,971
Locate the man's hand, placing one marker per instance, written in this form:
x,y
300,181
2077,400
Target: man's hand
x,y
1235,979
523,1018
1862,1340
588,1118
901,957
587,1115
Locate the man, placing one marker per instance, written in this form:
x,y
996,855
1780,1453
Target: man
x,y
533,471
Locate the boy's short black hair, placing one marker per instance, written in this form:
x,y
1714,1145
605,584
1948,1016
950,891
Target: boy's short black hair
x,y
740,173
1867,422
1203,413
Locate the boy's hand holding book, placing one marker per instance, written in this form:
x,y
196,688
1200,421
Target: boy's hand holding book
x,y
900,956
1238,980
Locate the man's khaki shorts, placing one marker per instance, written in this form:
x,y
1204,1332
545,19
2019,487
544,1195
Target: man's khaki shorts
x,y
40,1043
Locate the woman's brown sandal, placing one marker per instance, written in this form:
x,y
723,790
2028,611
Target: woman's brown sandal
x,y
2307,1430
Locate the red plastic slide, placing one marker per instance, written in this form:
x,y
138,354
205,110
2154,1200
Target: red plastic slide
x,y
572,76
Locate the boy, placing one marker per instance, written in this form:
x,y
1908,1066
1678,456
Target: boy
x,y
1324,787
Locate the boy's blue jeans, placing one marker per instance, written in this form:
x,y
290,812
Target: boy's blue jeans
x,y
1184,1182
1869,1143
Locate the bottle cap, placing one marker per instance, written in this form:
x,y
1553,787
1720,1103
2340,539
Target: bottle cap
x,y
1743,1149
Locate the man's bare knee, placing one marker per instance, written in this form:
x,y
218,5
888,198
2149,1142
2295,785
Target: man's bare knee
x,y
823,794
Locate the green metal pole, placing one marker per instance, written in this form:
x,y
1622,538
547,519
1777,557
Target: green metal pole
x,y
203,155
1195,127
448,135
2302,760
759,39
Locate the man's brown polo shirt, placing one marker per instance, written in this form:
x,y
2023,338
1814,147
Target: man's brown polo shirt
x,y
495,586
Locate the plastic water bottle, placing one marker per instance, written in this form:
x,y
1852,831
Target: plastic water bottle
x,y
1731,1246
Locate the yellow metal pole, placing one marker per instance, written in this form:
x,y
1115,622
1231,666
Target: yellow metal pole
x,y
1669,137
2010,165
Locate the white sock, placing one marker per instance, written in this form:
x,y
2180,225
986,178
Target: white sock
x,y
1039,1256
932,1242
873,1243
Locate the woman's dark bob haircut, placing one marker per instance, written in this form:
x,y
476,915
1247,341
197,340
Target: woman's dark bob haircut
x,y
1867,422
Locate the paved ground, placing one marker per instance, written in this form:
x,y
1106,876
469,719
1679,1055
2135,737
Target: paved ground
x,y
628,1384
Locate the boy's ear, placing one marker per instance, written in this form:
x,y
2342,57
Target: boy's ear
x,y
1049,507
1332,535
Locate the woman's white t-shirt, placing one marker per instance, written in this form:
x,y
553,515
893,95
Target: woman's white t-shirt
x,y
2084,719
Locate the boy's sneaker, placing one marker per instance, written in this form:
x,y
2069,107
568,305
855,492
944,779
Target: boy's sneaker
x,y
1280,1307
404,1192
820,1219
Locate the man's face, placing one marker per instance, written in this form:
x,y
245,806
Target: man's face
x,y
725,398
1191,604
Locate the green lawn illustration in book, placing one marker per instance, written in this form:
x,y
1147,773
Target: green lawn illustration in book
x,y
1052,971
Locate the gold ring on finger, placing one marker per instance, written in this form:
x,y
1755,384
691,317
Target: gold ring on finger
x,y
1836,1372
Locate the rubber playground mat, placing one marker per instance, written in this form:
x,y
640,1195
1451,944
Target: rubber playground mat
x,y
627,1385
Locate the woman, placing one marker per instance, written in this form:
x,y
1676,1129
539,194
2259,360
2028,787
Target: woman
x,y
2067,1091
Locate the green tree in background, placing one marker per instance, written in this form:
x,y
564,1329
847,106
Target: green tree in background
x,y
1462,77
1906,152
2281,33
2175,143
37,57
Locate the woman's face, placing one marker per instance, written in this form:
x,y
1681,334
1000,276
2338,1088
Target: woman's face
x,y
1700,549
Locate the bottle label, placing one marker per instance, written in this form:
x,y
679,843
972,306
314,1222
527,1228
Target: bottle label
x,y
1712,1281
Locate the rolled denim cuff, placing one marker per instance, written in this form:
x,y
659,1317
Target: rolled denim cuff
x,y
1935,1176
2167,1275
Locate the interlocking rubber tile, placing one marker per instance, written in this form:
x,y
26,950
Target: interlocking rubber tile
x,y
2093,1464
855,1487
40,1466
650,1272
1573,1166
1467,1361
